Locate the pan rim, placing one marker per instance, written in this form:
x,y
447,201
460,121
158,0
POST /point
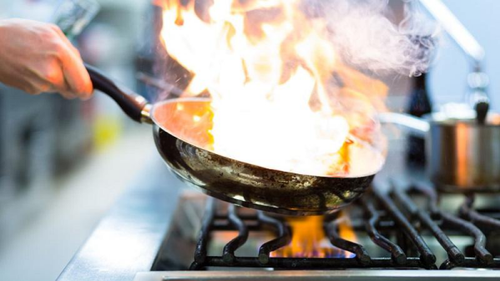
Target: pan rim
x,y
205,99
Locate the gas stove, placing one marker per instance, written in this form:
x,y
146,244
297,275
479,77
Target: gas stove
x,y
407,232
401,229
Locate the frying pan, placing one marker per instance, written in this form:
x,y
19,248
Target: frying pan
x,y
182,143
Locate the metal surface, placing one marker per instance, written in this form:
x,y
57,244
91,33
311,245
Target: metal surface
x,y
424,236
462,154
239,182
482,255
425,218
146,114
482,221
125,245
351,275
413,125
127,240
397,254
427,257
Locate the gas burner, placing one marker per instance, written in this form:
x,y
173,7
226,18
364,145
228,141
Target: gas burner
x,y
406,228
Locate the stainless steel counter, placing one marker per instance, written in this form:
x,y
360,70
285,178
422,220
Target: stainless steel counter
x,y
127,240
351,275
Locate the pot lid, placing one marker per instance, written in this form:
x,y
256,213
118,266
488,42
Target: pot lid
x,y
461,113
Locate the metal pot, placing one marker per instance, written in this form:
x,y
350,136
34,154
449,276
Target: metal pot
x,y
462,154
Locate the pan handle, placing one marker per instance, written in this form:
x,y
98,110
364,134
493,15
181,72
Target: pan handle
x,y
134,105
409,123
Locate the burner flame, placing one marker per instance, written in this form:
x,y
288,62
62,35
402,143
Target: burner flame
x,y
310,241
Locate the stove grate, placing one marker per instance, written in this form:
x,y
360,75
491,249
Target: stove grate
x,y
383,212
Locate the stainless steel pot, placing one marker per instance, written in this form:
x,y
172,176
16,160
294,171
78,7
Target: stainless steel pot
x,y
462,154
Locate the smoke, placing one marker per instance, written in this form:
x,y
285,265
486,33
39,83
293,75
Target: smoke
x,y
365,37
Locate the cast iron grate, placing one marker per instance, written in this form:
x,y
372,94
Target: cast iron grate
x,y
382,214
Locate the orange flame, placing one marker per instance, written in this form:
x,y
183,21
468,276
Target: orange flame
x,y
309,239
281,97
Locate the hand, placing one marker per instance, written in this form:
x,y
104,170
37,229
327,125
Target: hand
x,y
37,57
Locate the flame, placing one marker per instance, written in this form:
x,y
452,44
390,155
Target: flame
x,y
281,96
346,232
309,239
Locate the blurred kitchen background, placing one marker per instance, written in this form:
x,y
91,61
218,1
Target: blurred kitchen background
x,y
63,163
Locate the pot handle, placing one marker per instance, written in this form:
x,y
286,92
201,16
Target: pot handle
x,y
411,124
134,105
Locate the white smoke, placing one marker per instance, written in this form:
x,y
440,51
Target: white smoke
x,y
367,39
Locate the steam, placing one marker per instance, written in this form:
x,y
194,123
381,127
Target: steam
x,y
367,39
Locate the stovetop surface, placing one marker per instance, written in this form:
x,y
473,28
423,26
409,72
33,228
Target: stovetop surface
x,y
351,275
128,238
182,244
126,243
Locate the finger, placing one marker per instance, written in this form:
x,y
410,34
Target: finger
x,y
55,77
25,86
36,80
65,40
36,86
68,95
57,30
75,73
74,61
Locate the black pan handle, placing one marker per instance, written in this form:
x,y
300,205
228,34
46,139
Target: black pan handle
x,y
132,104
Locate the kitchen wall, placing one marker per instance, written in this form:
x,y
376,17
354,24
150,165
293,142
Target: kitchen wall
x,y
449,74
